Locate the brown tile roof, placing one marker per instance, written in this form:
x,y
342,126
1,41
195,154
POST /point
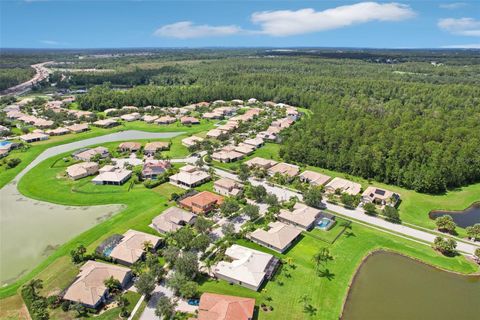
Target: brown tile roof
x,y
222,307
202,199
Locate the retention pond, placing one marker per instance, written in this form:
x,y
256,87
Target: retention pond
x,y
465,218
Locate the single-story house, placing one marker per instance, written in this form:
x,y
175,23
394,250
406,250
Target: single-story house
x,y
152,147
301,216
110,111
252,101
131,116
344,185
86,155
33,137
42,123
116,177
381,197
173,219
106,123
247,267
165,120
314,178
189,176
285,169
130,146
132,247
152,169
215,133
77,128
149,119
255,142
107,168
227,156
245,149
191,141
278,237
227,187
4,129
260,163
221,307
237,101
189,120
130,108
89,286
202,202
82,170
212,115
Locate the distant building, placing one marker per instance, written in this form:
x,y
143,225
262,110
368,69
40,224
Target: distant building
x,y
260,163
130,146
116,177
153,169
314,178
380,197
77,128
190,176
191,141
301,216
228,187
81,170
152,147
132,247
88,154
33,137
285,169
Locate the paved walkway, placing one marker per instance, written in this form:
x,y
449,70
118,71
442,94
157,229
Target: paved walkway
x,y
358,214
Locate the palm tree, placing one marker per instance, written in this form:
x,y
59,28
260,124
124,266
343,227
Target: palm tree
x,y
209,264
322,257
34,285
113,285
147,246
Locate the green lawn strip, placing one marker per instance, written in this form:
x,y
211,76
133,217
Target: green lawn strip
x,y
327,295
6,175
140,310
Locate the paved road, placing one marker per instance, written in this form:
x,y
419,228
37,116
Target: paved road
x,y
358,214
41,73
117,136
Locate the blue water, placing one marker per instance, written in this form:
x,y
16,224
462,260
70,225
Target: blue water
x,y
324,223
108,251
4,143
193,302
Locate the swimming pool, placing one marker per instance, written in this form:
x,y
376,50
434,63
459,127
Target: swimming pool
x,y
108,250
4,143
325,223
194,302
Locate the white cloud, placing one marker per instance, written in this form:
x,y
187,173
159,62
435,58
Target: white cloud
x,y
453,5
288,22
187,30
50,42
461,26
463,46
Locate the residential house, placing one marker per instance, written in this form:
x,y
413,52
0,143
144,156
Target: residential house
x,y
130,108
149,119
246,267
255,142
237,102
260,163
221,307
189,176
81,170
165,120
189,120
106,123
131,117
285,169
130,146
152,147
77,128
314,178
228,187
88,154
215,133
132,247
89,287
278,237
202,202
116,177
227,155
301,216
57,132
244,148
33,137
153,169
380,197
173,219
344,185
191,141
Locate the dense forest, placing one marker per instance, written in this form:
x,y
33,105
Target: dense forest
x,y
410,118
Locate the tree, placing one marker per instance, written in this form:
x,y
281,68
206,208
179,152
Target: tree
x,y
473,232
80,309
201,242
147,246
477,254
182,285
145,284
347,199
165,308
187,264
13,162
123,303
391,214
445,246
171,254
78,254
228,229
322,257
229,206
370,209
243,172
202,225
183,237
113,285
258,193
445,223
313,197
33,285
271,200
251,211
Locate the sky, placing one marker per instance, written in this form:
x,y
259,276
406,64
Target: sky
x,y
246,23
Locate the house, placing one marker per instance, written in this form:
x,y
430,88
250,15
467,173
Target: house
x,y
4,129
345,186
212,115
301,216
227,187
131,116
116,177
130,108
202,202
227,156
130,146
132,247
255,142
33,137
285,169
189,176
247,267
165,120
215,133
57,132
203,104
252,101
81,170
151,170
106,123
270,136
191,141
260,163
77,128
107,168
218,102
42,123
89,286
189,120
221,307
244,148
278,237
110,111
380,197
88,154
149,119
173,219
314,178
152,147
237,102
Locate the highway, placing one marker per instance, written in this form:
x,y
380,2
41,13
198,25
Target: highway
x,y
41,73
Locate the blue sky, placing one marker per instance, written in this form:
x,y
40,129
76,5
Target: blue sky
x,y
229,23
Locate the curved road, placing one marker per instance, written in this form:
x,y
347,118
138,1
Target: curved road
x,y
41,73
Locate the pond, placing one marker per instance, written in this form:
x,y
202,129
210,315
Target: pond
x,y
391,286
30,230
465,218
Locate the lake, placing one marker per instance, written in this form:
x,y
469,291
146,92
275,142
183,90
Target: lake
x,y
465,218
394,287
